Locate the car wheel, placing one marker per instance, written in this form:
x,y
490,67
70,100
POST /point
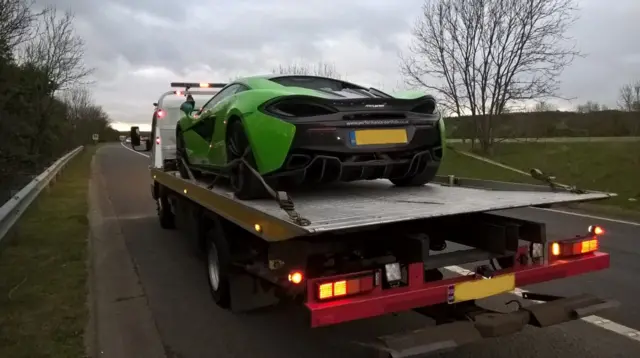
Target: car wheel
x,y
243,181
427,174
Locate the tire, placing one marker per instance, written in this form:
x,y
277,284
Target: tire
x,y
218,260
425,176
163,206
245,184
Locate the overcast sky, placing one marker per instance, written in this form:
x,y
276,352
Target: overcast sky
x,y
138,47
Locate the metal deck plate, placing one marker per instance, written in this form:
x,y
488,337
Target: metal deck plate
x,y
356,204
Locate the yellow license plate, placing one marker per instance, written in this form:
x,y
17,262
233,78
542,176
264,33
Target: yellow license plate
x,y
380,136
475,290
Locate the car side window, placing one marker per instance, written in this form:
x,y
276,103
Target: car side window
x,y
221,95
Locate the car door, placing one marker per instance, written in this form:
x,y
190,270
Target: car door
x,y
200,134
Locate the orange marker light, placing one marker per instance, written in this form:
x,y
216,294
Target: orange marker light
x,y
555,249
296,277
596,230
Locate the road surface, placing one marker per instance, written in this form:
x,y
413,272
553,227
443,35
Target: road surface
x,y
191,326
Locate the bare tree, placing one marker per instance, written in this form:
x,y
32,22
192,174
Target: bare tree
x,y
57,50
77,100
319,69
16,23
630,97
479,57
589,107
544,106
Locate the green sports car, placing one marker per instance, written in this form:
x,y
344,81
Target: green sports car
x,y
299,130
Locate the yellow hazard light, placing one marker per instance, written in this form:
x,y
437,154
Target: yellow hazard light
x,y
325,291
184,191
340,288
257,228
555,249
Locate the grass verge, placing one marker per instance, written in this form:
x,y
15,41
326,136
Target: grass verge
x,y
43,271
607,166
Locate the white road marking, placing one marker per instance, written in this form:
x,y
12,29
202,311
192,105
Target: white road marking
x,y
594,320
590,216
131,149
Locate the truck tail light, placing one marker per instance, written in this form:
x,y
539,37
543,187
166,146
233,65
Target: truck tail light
x,y
344,287
158,140
573,248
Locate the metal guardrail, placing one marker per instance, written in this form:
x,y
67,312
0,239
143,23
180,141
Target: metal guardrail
x,y
13,209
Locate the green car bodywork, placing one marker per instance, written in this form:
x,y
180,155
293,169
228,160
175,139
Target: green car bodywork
x,y
203,136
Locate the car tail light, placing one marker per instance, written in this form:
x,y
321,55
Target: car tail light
x,y
574,247
161,113
158,140
344,287
292,108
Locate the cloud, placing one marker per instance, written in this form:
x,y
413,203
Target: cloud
x,y
138,47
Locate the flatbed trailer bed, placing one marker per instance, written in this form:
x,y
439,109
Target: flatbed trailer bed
x,y
368,203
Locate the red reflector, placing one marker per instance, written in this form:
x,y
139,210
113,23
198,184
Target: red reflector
x,y
346,287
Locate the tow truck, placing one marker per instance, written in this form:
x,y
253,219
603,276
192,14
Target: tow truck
x,y
363,249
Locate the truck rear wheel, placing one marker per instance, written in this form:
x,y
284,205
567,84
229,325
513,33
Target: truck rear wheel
x,y
218,264
163,207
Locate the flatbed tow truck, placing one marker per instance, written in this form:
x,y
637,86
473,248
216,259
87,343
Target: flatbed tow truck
x,y
365,249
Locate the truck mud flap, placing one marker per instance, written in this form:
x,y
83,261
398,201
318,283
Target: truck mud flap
x,y
249,294
483,323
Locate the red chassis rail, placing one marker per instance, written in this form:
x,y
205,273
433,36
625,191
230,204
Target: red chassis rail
x,y
420,294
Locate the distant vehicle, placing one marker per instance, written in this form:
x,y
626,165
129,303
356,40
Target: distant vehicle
x,y
128,140
122,138
166,115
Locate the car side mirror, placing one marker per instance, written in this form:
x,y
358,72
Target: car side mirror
x,y
135,136
187,107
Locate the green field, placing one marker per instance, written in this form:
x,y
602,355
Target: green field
x,y
607,166
43,271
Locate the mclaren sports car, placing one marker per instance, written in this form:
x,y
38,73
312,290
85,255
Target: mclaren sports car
x,y
296,131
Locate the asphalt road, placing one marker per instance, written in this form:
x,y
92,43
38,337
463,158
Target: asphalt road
x,y
191,325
